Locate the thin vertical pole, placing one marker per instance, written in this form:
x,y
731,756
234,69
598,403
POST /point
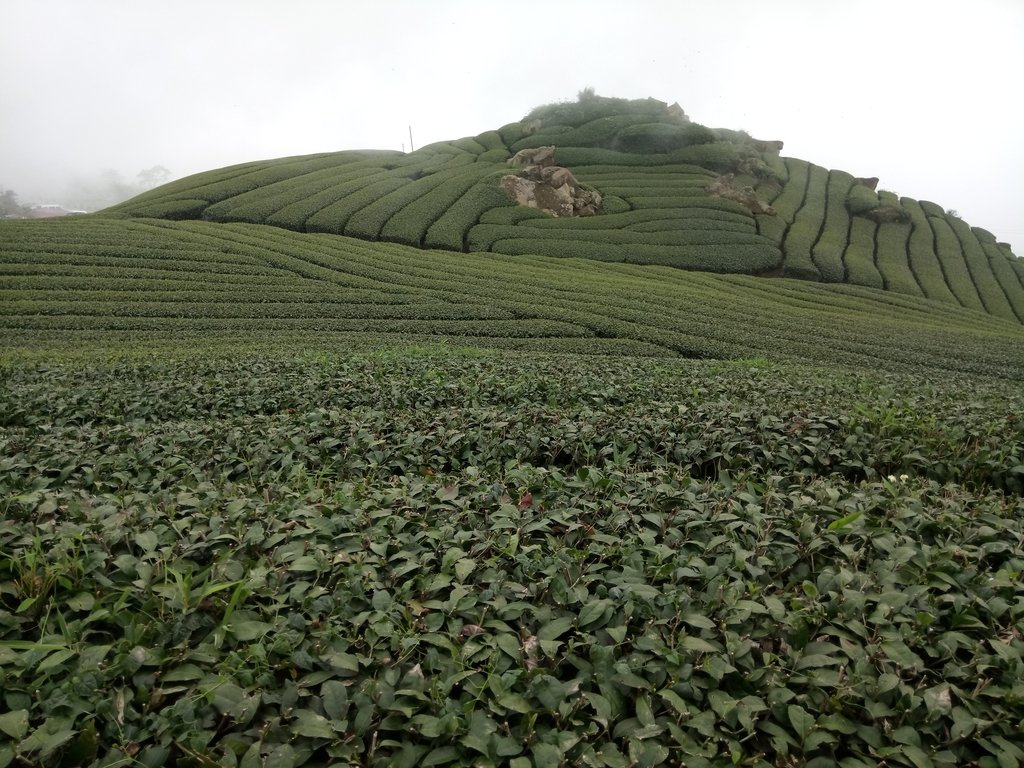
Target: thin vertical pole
x,y
410,139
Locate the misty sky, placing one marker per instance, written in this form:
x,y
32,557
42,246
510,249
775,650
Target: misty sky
x,y
917,92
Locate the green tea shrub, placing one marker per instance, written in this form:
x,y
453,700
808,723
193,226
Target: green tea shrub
x,y
749,258
861,199
175,210
860,255
595,133
568,113
790,200
1011,284
892,260
586,110
706,202
494,156
690,236
637,219
924,261
803,232
410,224
548,135
257,205
832,241
450,229
183,188
990,291
274,172
368,222
665,191
335,216
661,138
559,248
683,170
470,145
638,180
574,157
772,227
294,215
511,133
954,267
983,235
704,220
611,204
511,214
797,247
490,141
718,157
777,166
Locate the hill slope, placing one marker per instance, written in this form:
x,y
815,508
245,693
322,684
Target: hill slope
x,y
673,193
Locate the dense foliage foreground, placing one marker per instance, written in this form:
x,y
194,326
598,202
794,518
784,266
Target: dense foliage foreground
x,y
438,558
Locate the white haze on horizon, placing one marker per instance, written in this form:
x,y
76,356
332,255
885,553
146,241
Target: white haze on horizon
x,y
919,93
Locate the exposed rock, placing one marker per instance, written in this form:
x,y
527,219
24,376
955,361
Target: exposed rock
x,y
539,156
551,188
676,111
519,189
767,146
530,127
869,182
753,165
726,187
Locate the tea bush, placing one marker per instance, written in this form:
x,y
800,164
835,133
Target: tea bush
x,y
451,228
661,138
425,556
791,198
861,253
1003,271
991,293
861,199
954,268
893,260
832,242
921,251
410,224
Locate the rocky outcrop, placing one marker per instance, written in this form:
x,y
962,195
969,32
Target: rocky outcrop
x,y
543,184
773,147
870,182
726,187
542,157
676,112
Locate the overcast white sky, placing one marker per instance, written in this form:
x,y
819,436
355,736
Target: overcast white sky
x,y
917,92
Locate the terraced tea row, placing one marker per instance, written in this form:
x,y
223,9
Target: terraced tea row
x,y
833,228
201,281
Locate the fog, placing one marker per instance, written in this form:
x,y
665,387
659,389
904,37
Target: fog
x,y
919,92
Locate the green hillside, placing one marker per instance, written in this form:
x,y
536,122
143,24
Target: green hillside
x,y
653,168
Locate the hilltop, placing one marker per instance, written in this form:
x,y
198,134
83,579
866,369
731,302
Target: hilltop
x,y
660,190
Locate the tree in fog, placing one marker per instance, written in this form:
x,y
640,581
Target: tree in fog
x,y
9,205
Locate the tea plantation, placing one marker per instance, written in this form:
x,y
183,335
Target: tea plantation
x,y
347,460
656,171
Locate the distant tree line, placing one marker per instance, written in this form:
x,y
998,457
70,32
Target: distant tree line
x,y
9,205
